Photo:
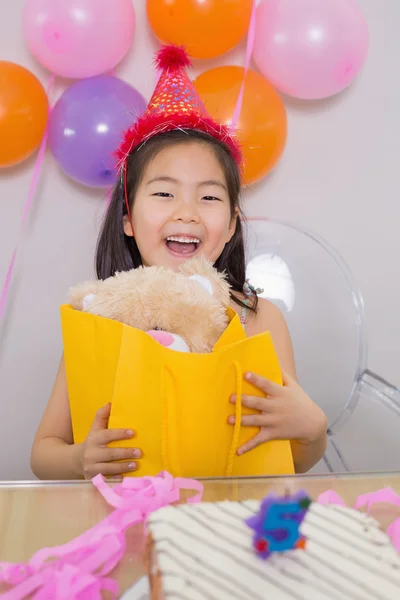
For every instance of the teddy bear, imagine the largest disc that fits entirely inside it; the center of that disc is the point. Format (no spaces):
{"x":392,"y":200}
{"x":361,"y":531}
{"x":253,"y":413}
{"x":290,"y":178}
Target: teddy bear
{"x":183,"y":309}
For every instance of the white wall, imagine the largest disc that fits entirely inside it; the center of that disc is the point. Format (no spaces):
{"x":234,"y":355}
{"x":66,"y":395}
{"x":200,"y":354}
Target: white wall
{"x":339,"y":177}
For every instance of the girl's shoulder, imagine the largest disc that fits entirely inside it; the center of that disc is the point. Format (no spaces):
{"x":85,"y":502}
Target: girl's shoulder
{"x":267,"y":315}
{"x":267,"y":318}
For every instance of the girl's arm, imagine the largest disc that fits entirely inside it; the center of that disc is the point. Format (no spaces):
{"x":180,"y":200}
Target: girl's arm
{"x":308,"y":451}
{"x":307,"y":454}
{"x":54,"y":455}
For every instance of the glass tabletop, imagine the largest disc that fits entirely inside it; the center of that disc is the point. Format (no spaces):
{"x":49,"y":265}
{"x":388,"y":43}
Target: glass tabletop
{"x":82,"y":493}
{"x":305,"y":479}
{"x":37,"y":514}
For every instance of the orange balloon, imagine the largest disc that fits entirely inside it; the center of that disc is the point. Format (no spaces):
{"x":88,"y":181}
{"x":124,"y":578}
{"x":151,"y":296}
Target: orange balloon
{"x":262,"y":125}
{"x":24,"y":111}
{"x":207,"y":28}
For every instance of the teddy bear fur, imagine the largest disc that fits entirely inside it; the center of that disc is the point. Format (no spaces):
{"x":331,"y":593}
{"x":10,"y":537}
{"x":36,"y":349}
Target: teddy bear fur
{"x":176,"y":301}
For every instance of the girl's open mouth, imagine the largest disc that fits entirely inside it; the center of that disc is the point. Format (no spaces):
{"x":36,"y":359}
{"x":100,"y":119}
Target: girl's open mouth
{"x":182,"y":245}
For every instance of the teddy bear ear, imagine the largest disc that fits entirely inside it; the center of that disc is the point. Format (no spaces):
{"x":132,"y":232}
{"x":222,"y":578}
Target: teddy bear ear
{"x":204,"y":282}
{"x":87,"y":301}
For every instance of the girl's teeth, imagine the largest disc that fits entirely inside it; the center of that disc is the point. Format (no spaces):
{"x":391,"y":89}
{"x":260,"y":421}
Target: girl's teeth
{"x":183,"y":240}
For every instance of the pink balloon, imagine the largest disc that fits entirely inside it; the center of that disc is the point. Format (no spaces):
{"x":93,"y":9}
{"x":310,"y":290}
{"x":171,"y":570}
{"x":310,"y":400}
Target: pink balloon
{"x":79,"y":38}
{"x":310,"y":49}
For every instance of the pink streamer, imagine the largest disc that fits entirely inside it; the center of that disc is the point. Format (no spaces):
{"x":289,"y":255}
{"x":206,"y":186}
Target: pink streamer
{"x":77,"y":570}
{"x":112,"y":73}
{"x":383,"y":496}
{"x":189,"y":484}
{"x":7,"y":282}
{"x":28,"y":204}
{"x":394,"y":533}
{"x":330,"y":497}
{"x":249,"y":51}
{"x":386,"y":495}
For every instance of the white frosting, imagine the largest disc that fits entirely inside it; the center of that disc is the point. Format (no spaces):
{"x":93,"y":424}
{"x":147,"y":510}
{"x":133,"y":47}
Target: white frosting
{"x":205,"y":552}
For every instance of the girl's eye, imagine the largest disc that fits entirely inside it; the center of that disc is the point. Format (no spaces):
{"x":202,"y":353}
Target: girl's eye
{"x":163,"y":195}
{"x":210,"y":198}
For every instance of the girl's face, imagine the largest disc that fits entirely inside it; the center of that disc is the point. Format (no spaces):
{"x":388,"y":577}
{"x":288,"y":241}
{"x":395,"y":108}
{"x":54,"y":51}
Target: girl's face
{"x":181,"y":208}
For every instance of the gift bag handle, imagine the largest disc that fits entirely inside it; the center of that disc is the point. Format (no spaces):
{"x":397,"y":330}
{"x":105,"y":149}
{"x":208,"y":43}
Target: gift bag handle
{"x":238,"y":420}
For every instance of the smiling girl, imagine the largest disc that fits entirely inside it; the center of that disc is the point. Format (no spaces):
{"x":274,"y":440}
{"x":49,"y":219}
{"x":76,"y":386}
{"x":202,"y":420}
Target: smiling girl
{"x":178,"y":196}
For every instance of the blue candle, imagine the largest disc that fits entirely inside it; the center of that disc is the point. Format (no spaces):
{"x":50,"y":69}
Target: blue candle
{"x":277,"y":525}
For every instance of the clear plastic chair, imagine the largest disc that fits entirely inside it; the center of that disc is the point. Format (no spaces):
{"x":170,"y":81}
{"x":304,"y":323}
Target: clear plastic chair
{"x":312,"y":285}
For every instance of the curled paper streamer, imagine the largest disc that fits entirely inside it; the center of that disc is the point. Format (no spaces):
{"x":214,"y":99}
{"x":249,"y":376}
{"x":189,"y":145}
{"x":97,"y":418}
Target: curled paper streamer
{"x":78,"y":570}
{"x":383,"y":496}
{"x":394,"y":533}
{"x":330,"y":497}
{"x":27,"y":208}
{"x":386,"y":495}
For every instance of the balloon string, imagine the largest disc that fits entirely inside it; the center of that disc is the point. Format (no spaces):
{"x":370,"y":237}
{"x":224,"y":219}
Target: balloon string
{"x":28,"y":204}
{"x":112,"y":73}
{"x":249,"y":51}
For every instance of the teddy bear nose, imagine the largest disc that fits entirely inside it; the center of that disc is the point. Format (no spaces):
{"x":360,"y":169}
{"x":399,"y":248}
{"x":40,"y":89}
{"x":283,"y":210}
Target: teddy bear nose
{"x":162,"y":337}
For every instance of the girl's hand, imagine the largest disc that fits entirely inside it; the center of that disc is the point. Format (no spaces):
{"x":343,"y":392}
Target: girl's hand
{"x":96,"y":457}
{"x":287,"y":413}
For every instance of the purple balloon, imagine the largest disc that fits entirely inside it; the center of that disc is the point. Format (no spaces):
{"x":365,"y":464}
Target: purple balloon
{"x":86,"y":127}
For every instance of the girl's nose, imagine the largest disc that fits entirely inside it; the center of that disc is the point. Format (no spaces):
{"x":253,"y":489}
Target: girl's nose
{"x":188,"y":219}
{"x":187,"y":212}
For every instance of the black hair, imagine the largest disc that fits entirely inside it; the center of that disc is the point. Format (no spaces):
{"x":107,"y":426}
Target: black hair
{"x":118,"y":252}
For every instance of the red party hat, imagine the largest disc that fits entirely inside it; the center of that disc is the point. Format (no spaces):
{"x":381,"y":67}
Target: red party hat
{"x":175,"y":104}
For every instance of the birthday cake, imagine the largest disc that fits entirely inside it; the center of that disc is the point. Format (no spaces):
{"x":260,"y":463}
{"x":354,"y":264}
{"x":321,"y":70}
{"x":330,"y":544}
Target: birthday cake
{"x":213,"y":551}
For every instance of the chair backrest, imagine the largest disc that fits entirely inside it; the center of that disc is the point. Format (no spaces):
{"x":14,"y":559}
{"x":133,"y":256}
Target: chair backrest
{"x":376,"y":389}
{"x":311,"y":284}
{"x":370,"y":440}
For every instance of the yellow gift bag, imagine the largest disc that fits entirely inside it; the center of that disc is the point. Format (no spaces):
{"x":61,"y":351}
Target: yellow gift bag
{"x":177,"y":403}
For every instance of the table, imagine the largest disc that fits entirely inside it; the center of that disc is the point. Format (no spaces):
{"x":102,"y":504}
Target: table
{"x":37,"y":514}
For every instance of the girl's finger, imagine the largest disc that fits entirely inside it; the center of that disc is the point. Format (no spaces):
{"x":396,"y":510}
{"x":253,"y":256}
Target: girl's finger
{"x":115,"y":468}
{"x":111,"y":454}
{"x":113,"y":435}
{"x":254,"y":402}
{"x":265,"y":385}
{"x":251,"y":420}
{"x":258,"y":439}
